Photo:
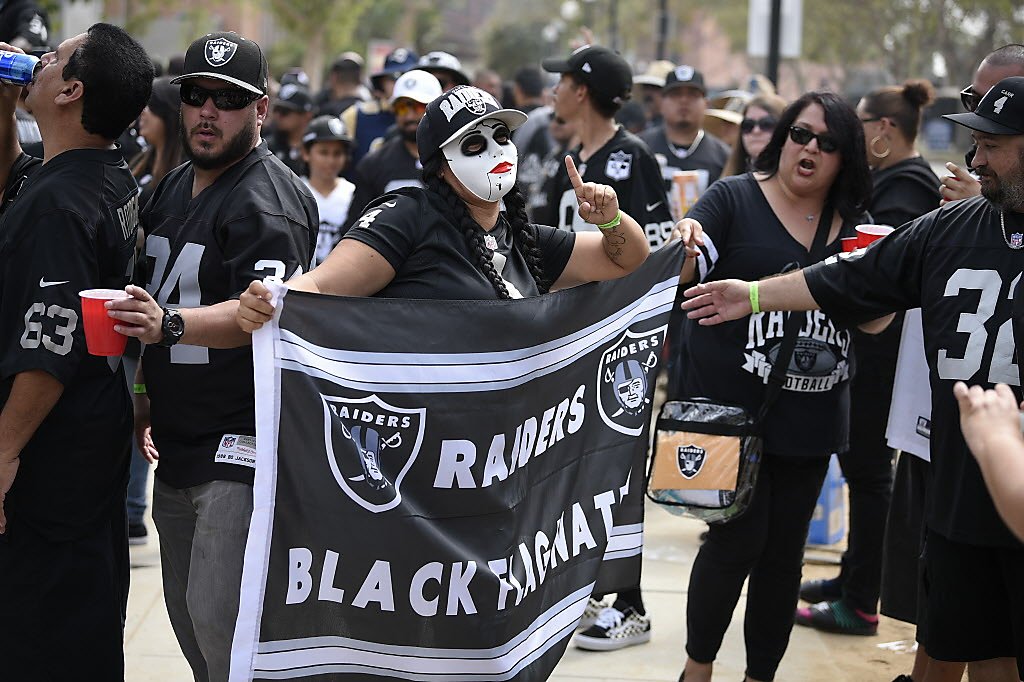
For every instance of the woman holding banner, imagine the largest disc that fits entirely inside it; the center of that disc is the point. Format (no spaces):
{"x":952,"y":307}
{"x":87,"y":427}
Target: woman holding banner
{"x":451,"y":240}
{"x":810,"y":186}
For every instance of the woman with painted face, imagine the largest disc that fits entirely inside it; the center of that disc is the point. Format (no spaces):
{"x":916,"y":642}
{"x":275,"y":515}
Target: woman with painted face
{"x":451,"y":239}
{"x":810,"y":186}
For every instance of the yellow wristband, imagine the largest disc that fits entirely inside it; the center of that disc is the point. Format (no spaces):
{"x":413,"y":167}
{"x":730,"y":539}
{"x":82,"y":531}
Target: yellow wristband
{"x":139,"y":389}
{"x":613,"y":223}
{"x":754,"y":306}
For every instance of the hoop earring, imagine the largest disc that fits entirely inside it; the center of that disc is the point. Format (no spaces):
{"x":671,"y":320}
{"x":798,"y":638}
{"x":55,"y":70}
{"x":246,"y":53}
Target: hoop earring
{"x":878,"y":155}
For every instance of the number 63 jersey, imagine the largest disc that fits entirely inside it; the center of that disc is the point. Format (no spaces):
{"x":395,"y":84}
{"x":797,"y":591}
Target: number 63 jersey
{"x":67,"y":225}
{"x":256,"y":220}
{"x":957,"y":265}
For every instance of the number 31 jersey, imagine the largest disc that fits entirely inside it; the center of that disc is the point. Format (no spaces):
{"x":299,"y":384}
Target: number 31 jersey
{"x":256,"y":220}
{"x":956,"y":264}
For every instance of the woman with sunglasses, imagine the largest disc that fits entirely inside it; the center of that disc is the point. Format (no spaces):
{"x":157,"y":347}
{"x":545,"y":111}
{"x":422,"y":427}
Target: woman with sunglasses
{"x":451,"y":240}
{"x":811,"y":176}
{"x":904,"y":188}
{"x":760,"y":116}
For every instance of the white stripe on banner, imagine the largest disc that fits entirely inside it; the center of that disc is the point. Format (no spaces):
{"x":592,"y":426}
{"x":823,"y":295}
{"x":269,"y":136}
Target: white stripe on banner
{"x":707,"y":258}
{"x":294,"y":658}
{"x":625,"y":541}
{"x":465,"y":372}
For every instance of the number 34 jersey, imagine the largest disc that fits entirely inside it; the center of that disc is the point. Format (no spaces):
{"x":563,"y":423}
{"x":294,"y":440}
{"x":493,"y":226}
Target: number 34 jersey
{"x":67,"y":225}
{"x":956,"y":264}
{"x":256,"y":220}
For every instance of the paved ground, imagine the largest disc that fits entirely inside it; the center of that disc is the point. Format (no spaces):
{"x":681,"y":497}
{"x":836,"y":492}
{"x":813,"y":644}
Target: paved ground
{"x":671,"y":543}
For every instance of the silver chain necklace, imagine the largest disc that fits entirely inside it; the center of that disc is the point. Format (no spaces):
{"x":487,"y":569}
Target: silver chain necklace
{"x":1014,"y":241}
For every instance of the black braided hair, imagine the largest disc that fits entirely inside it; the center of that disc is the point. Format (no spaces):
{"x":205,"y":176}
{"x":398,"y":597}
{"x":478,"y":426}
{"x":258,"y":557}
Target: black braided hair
{"x":525,"y":236}
{"x":459,"y":216}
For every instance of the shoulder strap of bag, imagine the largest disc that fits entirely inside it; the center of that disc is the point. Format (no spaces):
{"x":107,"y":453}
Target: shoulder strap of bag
{"x":777,"y":377}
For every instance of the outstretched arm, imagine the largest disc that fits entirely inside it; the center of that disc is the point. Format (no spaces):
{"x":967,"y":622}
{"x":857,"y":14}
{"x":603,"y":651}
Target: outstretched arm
{"x":730,"y":299}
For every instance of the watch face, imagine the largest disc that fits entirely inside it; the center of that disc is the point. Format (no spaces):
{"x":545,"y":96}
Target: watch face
{"x":175,"y":325}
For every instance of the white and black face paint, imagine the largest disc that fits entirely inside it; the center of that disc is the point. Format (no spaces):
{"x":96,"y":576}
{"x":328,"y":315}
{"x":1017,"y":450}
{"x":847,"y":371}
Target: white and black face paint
{"x":484,"y":159}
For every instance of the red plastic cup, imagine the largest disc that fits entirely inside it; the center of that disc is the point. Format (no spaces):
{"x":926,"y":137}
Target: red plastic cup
{"x":870,"y":233}
{"x":100,"y":337}
{"x":850,"y":244}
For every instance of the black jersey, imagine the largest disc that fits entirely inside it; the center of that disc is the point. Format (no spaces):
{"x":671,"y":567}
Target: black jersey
{"x":67,"y":225}
{"x":707,"y":156}
{"x":290,"y":156}
{"x":731,"y":362}
{"x":903,"y":191}
{"x":432,"y":259}
{"x":383,"y":170}
{"x":627,"y":165}
{"x":955,"y":265}
{"x":256,"y":220}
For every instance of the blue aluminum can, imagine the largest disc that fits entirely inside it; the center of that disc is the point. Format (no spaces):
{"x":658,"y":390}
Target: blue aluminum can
{"x":17,"y":68}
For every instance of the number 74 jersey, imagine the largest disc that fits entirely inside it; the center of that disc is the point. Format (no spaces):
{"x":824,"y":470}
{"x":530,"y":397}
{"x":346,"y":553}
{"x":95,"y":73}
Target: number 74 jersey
{"x":957,"y":265}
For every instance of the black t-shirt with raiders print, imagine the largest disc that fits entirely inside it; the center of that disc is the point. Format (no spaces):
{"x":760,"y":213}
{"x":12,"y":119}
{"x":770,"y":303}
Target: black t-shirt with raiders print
{"x":432,"y":259}
{"x":628,"y":166}
{"x":954,"y":263}
{"x":731,"y":361}
{"x":256,"y":220}
{"x":67,"y":226}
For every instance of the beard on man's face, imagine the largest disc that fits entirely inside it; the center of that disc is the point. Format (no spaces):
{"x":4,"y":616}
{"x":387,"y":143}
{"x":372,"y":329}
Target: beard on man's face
{"x":235,"y":149}
{"x":1007,"y":192}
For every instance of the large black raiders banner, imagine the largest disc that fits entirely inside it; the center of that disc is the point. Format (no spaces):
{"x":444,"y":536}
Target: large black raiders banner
{"x":438,"y":483}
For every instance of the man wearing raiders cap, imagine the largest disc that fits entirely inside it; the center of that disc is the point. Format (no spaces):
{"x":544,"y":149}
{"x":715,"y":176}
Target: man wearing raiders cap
{"x":291,"y":113}
{"x":962,"y":265}
{"x":233,"y":213}
{"x":595,"y":83}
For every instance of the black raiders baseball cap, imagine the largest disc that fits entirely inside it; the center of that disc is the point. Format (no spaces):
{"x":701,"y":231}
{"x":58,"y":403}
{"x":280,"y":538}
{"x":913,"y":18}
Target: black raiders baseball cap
{"x":603,"y":71}
{"x":1000,"y":112}
{"x":294,"y":98}
{"x":454,"y":111}
{"x":229,"y":57}
{"x":684,"y":76}
{"x":326,"y":129}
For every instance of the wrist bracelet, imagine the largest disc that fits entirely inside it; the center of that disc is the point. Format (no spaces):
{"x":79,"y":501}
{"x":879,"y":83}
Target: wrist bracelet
{"x":754,"y":304}
{"x":139,"y":389}
{"x":613,"y":223}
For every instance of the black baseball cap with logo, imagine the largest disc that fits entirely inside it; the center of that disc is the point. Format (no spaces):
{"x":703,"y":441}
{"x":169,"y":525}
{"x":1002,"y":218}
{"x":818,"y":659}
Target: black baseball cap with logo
{"x":685,"y":77}
{"x":294,"y":98}
{"x":326,"y":129}
{"x":604,"y":72}
{"x":1000,"y":111}
{"x":453,"y":112}
{"x":229,"y":57}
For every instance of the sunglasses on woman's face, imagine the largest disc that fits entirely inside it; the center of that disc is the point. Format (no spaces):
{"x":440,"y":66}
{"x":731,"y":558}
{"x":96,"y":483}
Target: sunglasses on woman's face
{"x":969,"y":98}
{"x":766,"y":123}
{"x":225,"y":99}
{"x":803,"y":136}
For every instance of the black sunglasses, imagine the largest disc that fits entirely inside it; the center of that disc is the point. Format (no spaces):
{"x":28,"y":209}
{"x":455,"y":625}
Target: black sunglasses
{"x":803,"y":136}
{"x":766,"y":123}
{"x":225,"y":99}
{"x":969,"y":98}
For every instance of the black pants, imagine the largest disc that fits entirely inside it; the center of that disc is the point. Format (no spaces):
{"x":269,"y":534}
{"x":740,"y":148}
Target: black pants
{"x":766,"y":544}
{"x":62,"y":603}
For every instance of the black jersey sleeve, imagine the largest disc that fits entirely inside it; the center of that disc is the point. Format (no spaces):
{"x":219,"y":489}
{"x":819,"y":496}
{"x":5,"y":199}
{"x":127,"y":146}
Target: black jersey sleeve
{"x":393,"y":225}
{"x":556,"y":248}
{"x":884,"y":278}
{"x":40,"y":310}
{"x":646,"y":201}
{"x":262,"y":245}
{"x":715,"y":211}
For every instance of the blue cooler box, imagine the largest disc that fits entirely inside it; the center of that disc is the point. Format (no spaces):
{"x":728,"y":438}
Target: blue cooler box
{"x":828,"y":525}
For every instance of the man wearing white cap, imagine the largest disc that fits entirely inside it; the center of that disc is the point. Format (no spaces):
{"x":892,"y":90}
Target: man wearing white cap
{"x":396,"y":162}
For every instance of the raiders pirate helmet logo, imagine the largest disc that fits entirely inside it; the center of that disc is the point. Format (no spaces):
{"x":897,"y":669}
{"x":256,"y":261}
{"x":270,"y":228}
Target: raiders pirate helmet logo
{"x":371,"y":445}
{"x":625,"y":379}
{"x":219,"y":51}
{"x":690,"y":459}
{"x":619,"y":165}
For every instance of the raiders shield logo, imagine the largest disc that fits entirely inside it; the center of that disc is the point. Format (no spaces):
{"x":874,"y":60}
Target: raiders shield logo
{"x":219,"y":51}
{"x":625,"y":379}
{"x":371,"y":446}
{"x":690,"y":459}
{"x":619,"y":165}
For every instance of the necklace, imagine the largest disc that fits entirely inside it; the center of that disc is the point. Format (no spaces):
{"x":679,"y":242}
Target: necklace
{"x":809,"y":217}
{"x":1014,"y":241}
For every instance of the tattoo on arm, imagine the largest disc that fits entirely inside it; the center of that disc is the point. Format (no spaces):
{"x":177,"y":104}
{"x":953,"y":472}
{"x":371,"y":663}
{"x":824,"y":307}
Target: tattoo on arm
{"x":614,"y":240}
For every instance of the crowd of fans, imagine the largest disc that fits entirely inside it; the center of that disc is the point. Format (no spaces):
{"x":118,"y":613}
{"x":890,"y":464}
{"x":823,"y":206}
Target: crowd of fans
{"x":240,"y":176}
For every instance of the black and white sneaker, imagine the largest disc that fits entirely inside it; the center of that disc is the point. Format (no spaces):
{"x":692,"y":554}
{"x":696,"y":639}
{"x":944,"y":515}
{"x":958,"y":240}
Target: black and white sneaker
{"x":615,"y":629}
{"x":590,"y":614}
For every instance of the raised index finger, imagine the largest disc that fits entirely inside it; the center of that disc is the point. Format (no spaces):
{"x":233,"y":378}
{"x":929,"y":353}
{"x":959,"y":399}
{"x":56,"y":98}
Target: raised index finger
{"x":574,"y":175}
